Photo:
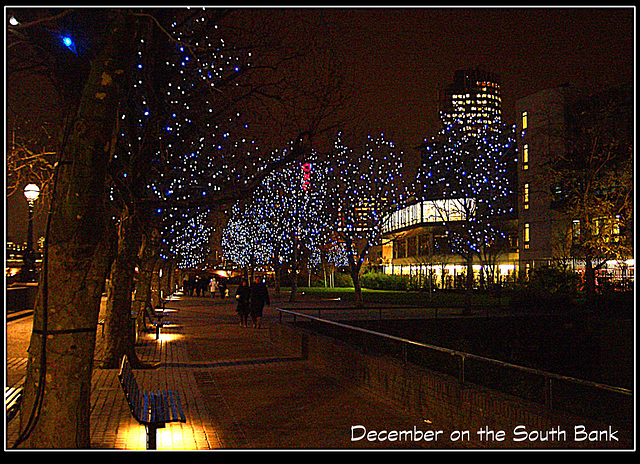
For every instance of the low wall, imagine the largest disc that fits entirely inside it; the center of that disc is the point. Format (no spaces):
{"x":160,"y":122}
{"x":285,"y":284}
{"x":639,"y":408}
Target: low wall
{"x":21,"y":297}
{"x":446,"y":403}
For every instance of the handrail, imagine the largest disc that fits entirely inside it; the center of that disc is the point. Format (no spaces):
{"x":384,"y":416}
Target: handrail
{"x":463,"y":355}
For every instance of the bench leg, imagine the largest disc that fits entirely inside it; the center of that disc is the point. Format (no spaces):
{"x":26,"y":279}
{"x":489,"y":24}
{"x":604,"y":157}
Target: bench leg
{"x":151,"y":436}
{"x":158,"y":332}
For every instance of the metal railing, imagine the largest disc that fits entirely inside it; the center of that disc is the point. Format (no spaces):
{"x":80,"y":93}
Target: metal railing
{"x":463,"y":357}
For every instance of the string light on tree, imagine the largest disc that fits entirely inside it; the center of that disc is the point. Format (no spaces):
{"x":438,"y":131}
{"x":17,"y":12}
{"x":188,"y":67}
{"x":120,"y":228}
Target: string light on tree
{"x":285,"y":219}
{"x":205,"y":147}
{"x":472,"y":161}
{"x":366,"y":184}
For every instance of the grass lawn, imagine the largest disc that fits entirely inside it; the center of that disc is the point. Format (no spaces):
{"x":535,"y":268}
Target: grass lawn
{"x":440,"y":299}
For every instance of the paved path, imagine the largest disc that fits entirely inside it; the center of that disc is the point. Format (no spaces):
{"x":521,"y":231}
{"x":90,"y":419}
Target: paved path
{"x":238,"y":392}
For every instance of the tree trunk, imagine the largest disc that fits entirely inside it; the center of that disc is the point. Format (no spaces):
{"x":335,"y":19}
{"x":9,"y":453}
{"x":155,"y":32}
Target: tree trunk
{"x":355,"y":276}
{"x":277,"y":268}
{"x":355,"y":263}
{"x":469,"y":276}
{"x":589,"y":282}
{"x":119,"y":333}
{"x":156,"y":289}
{"x":56,"y":405}
{"x":148,"y":258}
{"x":167,"y":285}
{"x":294,"y":271}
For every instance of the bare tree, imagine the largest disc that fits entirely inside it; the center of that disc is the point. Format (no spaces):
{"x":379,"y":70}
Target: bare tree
{"x":55,"y":409}
{"x":593,"y":179}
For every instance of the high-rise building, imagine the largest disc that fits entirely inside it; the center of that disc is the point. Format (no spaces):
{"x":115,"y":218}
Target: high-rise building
{"x":541,"y":128}
{"x":461,"y":219}
{"x":549,"y":230}
{"x":473,"y":99}
{"x":473,"y":95}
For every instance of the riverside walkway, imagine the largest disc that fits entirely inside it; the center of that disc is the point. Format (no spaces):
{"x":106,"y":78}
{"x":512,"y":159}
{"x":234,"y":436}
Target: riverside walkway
{"x":237,"y":390}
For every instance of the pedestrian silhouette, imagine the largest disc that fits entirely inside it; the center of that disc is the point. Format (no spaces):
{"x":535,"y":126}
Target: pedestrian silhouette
{"x":259,"y":297}
{"x":188,"y":286}
{"x":243,"y":295}
{"x":222,"y":285}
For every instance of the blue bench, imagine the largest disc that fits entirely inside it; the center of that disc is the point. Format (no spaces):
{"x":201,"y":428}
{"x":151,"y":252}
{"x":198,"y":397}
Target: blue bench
{"x":153,"y":409}
{"x":156,"y":318}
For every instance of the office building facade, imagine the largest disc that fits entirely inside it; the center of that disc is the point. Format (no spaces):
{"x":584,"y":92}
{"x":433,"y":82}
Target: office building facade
{"x":539,"y":232}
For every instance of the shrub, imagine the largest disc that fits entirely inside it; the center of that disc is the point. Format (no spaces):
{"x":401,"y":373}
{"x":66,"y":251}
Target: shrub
{"x":380,"y":281}
{"x":342,"y":280}
{"x":548,"y":288}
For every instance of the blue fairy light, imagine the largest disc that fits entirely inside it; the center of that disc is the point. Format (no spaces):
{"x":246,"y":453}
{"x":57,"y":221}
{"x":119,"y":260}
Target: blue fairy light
{"x":69,"y":43}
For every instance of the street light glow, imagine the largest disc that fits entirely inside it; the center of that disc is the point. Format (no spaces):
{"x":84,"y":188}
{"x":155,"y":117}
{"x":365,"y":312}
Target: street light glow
{"x":31,"y":192}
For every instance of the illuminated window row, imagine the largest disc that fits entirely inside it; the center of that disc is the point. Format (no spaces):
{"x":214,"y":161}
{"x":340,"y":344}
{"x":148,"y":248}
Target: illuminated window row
{"x":480,"y":98}
{"x":429,"y":211}
{"x":525,"y":157}
{"x":487,"y":84}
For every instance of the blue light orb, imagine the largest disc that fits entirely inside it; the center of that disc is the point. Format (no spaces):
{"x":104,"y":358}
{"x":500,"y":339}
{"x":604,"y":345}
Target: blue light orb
{"x":69,"y":43}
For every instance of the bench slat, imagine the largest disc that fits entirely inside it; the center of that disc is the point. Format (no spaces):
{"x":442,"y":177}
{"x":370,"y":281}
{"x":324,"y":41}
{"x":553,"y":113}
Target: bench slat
{"x":154,"y":317}
{"x":176,"y":407}
{"x":162,"y":407}
{"x":12,"y":401}
{"x":149,"y":407}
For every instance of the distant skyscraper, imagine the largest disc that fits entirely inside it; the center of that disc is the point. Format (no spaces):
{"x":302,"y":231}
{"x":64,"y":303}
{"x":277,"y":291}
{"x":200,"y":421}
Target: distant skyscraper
{"x":474,"y":94}
{"x":472,"y":104}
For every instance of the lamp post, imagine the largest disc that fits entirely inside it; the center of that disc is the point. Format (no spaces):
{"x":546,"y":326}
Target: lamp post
{"x":31,"y":193}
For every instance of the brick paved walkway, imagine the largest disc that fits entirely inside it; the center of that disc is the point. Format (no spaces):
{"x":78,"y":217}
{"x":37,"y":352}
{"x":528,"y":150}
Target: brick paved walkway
{"x":237,"y":391}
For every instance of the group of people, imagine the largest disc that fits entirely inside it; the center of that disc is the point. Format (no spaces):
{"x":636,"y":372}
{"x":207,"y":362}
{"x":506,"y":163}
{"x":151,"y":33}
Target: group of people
{"x":251,"y":301}
{"x":218,"y":286}
{"x":198,"y":286}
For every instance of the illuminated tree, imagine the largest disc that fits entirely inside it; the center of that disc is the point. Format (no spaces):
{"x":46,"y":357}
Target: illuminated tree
{"x":365,"y":184}
{"x":284,"y":222}
{"x":332,"y":254}
{"x":246,"y":239}
{"x":471,"y":165}
{"x":302,"y":194}
{"x":231,"y":98}
{"x":204,"y":148}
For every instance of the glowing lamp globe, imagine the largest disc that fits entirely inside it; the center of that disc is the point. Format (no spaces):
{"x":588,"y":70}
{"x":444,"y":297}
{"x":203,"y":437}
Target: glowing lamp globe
{"x":31,"y":192}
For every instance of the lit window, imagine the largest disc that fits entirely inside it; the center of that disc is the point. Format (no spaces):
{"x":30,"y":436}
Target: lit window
{"x":525,"y":196}
{"x":525,"y":120}
{"x":607,"y":228}
{"x":525,"y":157}
{"x":575,"y":228}
{"x":526,"y":235}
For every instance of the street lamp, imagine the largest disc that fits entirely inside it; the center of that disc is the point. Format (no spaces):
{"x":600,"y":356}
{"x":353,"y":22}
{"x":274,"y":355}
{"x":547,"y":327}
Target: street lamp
{"x":31,"y":193}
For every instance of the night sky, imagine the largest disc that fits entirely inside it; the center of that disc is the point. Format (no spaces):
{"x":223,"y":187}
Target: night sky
{"x":404,"y":56}
{"x":400,"y":58}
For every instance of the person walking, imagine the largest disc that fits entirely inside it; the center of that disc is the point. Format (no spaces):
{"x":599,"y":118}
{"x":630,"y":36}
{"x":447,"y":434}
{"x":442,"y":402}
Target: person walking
{"x":213,"y":287}
{"x":222,"y":286}
{"x":243,"y":295}
{"x":197,"y":285}
{"x":259,"y":297}
{"x":188,"y":286}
